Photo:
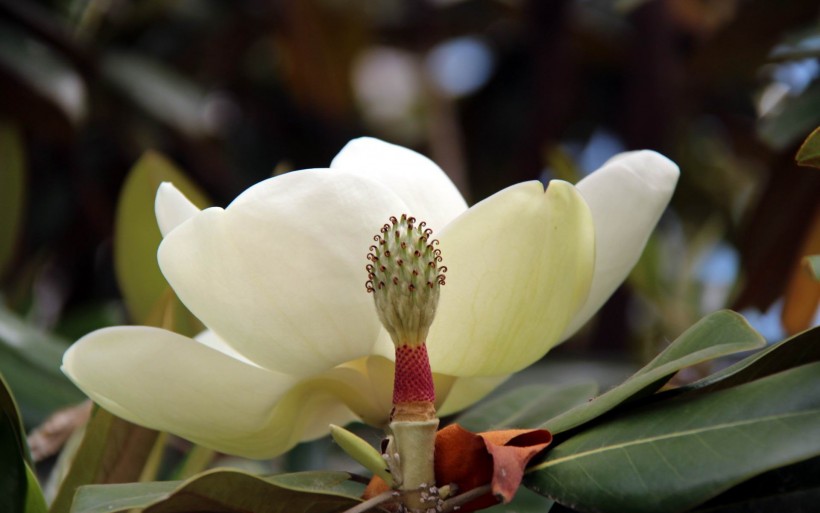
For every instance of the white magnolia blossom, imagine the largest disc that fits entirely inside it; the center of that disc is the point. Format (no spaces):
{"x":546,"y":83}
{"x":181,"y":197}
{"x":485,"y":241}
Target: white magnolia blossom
{"x":294,"y":342}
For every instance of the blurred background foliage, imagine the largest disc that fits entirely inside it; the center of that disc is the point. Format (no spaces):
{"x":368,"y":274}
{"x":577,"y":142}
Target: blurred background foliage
{"x":100,"y":100}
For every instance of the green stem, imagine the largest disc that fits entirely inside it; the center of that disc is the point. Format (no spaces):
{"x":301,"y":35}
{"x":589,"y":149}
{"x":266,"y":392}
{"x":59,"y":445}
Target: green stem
{"x":415,"y":444}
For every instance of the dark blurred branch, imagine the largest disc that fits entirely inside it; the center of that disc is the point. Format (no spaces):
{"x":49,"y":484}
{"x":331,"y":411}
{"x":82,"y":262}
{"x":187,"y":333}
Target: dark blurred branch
{"x":40,"y":23}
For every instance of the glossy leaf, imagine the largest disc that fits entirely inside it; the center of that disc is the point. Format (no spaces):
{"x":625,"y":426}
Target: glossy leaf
{"x":30,"y":360}
{"x":112,"y":451}
{"x":527,"y":406}
{"x":226,"y":491}
{"x":717,"y":335}
{"x":147,"y":295}
{"x":795,"y":351}
{"x":12,"y":190}
{"x":809,"y":152}
{"x":672,"y":455}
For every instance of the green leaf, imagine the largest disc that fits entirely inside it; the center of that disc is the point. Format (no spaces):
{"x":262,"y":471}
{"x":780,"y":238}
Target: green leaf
{"x":226,"y":491}
{"x":14,"y":454}
{"x":137,"y":237}
{"x":361,"y":451}
{"x":713,"y":336}
{"x":112,"y":451}
{"x":35,"y":502}
{"x":672,"y":455}
{"x":30,"y":359}
{"x":12,"y":190}
{"x":809,"y":152}
{"x":13,"y":482}
{"x":798,"y":350}
{"x":790,"y":124}
{"x":525,"y":407}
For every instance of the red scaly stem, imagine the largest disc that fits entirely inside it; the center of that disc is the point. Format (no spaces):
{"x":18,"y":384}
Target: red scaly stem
{"x":414,"y":380}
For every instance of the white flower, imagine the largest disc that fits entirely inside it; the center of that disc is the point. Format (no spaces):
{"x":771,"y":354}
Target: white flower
{"x":294,"y":342}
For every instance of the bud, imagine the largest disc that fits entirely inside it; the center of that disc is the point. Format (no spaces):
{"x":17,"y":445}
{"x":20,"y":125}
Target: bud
{"x":404,"y":276}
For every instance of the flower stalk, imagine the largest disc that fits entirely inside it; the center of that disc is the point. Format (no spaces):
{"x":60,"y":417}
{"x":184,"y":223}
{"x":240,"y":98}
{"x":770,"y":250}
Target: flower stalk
{"x":404,"y":277}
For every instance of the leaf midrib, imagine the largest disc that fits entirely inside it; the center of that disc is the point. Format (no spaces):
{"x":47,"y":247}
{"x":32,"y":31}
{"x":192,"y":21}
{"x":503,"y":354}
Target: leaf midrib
{"x":714,"y":427}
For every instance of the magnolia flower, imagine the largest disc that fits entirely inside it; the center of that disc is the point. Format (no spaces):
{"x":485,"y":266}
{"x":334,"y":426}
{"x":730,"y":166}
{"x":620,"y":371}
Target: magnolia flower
{"x":294,"y":342}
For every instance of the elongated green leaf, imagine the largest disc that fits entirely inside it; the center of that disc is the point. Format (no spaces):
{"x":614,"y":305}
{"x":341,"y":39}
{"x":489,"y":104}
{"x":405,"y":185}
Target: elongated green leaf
{"x":112,"y":451}
{"x":526,"y":407}
{"x":35,"y":502}
{"x":13,"y":481}
{"x":798,"y":350}
{"x":672,"y":455}
{"x":13,"y":454}
{"x":809,"y":152}
{"x":226,"y":491}
{"x":717,"y":335}
{"x":30,"y":360}
{"x":12,"y":190}
{"x":137,"y":238}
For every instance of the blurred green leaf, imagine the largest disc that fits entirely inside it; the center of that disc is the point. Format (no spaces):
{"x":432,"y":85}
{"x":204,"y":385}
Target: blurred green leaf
{"x":137,"y":237}
{"x":160,"y":91}
{"x":797,"y":117}
{"x":528,"y":406}
{"x":672,"y":455}
{"x":226,"y":491}
{"x":713,"y":336}
{"x":809,"y":152}
{"x":813,"y":262}
{"x":12,"y":190}
{"x":525,"y":501}
{"x":112,"y":451}
{"x":30,"y":359}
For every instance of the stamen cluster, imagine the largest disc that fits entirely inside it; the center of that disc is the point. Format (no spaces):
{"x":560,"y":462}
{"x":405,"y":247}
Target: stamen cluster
{"x":404,"y":276}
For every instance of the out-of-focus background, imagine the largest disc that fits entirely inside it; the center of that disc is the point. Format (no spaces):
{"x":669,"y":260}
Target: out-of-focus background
{"x":496,"y":92}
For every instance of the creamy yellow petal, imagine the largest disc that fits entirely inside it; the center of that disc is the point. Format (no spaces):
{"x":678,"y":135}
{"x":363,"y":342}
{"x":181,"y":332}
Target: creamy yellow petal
{"x":426,"y":190}
{"x":172,"y":208}
{"x":169,"y":382}
{"x":519,"y":267}
{"x":279,"y":274}
{"x":467,"y":391}
{"x":627,"y":197}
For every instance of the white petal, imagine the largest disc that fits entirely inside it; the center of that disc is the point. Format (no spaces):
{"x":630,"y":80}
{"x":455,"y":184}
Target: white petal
{"x":172,"y":208}
{"x":519,"y":267}
{"x":210,"y":339}
{"x":168,"y":382}
{"x":279,"y":275}
{"x":429,"y":194}
{"x":627,"y":197}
